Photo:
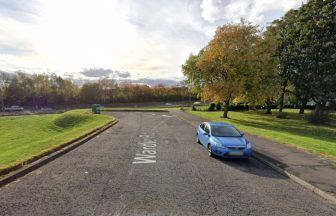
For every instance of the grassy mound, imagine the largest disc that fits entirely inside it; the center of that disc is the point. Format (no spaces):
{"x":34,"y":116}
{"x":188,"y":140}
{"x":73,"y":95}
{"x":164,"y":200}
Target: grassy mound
{"x":70,"y":120}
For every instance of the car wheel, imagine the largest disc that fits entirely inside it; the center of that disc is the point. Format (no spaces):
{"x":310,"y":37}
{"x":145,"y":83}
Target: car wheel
{"x":210,"y":151}
{"x":197,"y":139}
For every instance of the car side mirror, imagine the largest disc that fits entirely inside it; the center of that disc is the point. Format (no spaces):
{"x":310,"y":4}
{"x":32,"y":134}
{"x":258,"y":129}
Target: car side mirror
{"x":242,"y":133}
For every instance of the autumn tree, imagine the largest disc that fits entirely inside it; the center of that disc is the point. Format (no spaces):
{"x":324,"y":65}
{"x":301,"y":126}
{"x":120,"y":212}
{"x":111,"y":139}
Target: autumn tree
{"x":192,"y":73}
{"x":108,"y":89}
{"x":90,"y":93}
{"x":263,"y":82}
{"x":225,"y":63}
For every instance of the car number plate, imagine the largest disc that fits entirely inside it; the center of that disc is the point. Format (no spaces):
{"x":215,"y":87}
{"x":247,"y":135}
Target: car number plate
{"x":236,"y":153}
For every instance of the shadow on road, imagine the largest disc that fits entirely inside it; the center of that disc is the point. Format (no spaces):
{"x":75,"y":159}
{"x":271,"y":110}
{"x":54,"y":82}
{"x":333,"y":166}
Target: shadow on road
{"x":251,"y":166}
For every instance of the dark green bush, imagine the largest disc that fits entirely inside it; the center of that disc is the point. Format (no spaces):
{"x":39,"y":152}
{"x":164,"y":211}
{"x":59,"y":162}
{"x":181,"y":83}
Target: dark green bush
{"x":319,"y":118}
{"x":212,"y":107}
{"x":219,"y":107}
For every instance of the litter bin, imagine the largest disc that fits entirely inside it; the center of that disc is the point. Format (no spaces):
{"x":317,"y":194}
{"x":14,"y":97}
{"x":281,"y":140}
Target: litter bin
{"x":96,"y":108}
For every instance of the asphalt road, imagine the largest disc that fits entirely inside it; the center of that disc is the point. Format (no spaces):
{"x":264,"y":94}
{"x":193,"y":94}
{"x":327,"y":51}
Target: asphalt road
{"x":149,"y":164}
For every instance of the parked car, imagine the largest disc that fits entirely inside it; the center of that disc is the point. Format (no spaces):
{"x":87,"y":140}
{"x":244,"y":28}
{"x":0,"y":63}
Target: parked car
{"x":46,"y":109}
{"x":224,"y":140}
{"x":14,"y":108}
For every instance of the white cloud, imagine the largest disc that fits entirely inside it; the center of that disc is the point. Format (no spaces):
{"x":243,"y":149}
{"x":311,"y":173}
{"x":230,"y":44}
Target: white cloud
{"x":252,"y":10}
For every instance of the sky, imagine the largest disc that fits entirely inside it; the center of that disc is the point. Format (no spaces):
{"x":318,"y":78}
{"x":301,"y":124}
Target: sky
{"x":133,"y":39}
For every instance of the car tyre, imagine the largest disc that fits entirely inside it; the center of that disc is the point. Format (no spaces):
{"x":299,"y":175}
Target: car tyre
{"x":197,"y":139}
{"x":210,"y":151}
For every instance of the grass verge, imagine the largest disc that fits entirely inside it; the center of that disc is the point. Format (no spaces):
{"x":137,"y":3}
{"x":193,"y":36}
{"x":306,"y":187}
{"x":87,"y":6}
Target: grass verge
{"x":25,"y":137}
{"x":293,"y":130}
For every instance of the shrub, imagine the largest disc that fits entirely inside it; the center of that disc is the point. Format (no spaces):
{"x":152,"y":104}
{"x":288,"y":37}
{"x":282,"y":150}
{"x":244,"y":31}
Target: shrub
{"x":212,"y":107}
{"x":319,"y":118}
{"x":218,"y":106}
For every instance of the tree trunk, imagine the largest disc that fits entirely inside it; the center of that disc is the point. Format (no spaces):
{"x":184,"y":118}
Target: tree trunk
{"x":226,"y":108}
{"x":2,"y":100}
{"x":303,"y":106}
{"x":319,"y":109}
{"x":252,"y":107}
{"x":269,"y":106}
{"x":282,"y":96}
{"x":281,"y":102}
{"x":225,"y":114}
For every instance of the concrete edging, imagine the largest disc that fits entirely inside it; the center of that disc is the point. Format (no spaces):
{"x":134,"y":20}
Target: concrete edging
{"x":34,"y":163}
{"x":263,"y":159}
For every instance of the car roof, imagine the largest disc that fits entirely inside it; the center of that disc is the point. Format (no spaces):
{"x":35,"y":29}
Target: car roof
{"x":219,"y":124}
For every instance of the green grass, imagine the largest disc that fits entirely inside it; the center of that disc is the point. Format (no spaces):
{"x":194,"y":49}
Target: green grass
{"x":23,"y":137}
{"x":293,"y":130}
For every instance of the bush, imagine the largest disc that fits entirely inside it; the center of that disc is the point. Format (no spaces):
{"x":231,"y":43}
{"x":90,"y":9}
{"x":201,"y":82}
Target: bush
{"x":218,"y":106}
{"x":212,"y":107}
{"x":281,"y":115}
{"x":239,"y":107}
{"x":319,"y":118}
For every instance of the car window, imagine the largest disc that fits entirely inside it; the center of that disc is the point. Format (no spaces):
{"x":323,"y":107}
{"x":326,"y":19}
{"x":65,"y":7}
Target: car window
{"x":202,"y":126}
{"x":207,"y":129}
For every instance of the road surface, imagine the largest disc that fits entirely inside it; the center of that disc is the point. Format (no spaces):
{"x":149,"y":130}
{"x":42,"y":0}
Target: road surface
{"x":149,"y":164}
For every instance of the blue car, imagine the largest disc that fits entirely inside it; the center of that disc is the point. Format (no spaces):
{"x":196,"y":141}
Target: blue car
{"x":224,"y":140}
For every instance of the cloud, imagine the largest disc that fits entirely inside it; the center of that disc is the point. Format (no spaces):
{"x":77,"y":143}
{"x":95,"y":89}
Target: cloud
{"x":152,"y":82}
{"x":21,"y":10}
{"x":121,"y":74}
{"x":257,"y":11}
{"x":97,"y":72}
{"x":16,"y":49}
{"x":105,"y":73}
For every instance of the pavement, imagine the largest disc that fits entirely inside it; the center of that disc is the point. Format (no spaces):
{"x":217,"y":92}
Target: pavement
{"x":317,"y":171}
{"x":149,"y":164}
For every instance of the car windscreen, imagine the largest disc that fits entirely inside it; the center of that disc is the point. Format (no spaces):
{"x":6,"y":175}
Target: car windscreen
{"x":224,"y":131}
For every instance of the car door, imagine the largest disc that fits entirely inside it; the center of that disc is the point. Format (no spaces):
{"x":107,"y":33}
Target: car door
{"x":200,"y":132}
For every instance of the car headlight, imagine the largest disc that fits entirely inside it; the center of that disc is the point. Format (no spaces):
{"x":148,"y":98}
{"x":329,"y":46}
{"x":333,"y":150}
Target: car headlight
{"x":219,"y":144}
{"x":248,"y":145}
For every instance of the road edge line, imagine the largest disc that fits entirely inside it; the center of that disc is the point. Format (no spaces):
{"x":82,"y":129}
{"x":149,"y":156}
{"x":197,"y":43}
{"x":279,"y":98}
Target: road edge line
{"x":46,"y":157}
{"x":325,"y":195}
